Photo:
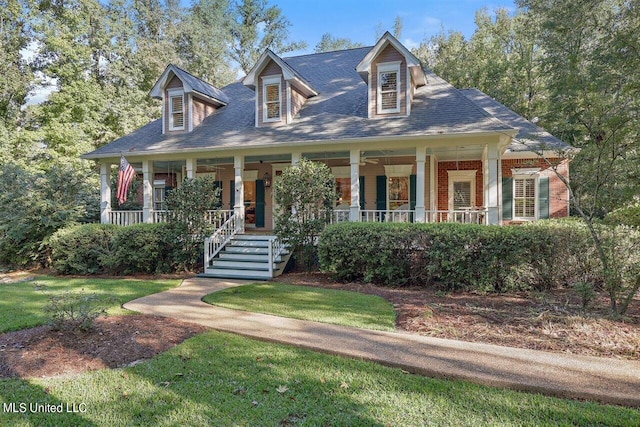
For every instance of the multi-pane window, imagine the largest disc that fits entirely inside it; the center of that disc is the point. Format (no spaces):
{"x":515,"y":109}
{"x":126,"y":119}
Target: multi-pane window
{"x":398,"y":187}
{"x":176,"y":112}
{"x":272,"y":100}
{"x":343,"y":189}
{"x":388,"y":88}
{"x":524,"y":197}
{"x":462,"y":195}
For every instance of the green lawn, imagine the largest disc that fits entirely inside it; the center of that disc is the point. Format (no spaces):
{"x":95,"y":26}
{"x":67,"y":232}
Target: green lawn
{"x":21,"y":305}
{"x":306,"y":303}
{"x":222,"y":379}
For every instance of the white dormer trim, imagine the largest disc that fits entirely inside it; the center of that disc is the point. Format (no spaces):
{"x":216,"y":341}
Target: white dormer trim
{"x":364,"y":67}
{"x":158,"y":89}
{"x":388,"y":67}
{"x":288,"y":73}
{"x":174,"y":93}
{"x":268,"y":81}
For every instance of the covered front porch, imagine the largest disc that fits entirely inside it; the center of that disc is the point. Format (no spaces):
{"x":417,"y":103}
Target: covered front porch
{"x":457,"y":183}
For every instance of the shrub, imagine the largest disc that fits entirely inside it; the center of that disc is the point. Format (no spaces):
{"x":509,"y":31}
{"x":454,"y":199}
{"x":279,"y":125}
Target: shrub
{"x":75,"y":310}
{"x":624,"y":216}
{"x":456,"y":256}
{"x":81,"y":249}
{"x":144,"y":248}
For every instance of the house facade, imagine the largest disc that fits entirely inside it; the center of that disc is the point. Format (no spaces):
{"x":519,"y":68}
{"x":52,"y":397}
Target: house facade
{"x":402,"y":143}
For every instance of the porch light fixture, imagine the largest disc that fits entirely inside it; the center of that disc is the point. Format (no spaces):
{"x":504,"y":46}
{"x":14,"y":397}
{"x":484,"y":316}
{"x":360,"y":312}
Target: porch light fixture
{"x":266,"y":178}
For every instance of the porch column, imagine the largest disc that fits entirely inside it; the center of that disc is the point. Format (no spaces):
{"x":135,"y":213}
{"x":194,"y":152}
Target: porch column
{"x":295,"y":157}
{"x":493,"y":182}
{"x":238,"y":165}
{"x":421,"y":158}
{"x":191,"y":168}
{"x":105,"y":192}
{"x":147,"y":191}
{"x":354,"y":208}
{"x":433,"y":195}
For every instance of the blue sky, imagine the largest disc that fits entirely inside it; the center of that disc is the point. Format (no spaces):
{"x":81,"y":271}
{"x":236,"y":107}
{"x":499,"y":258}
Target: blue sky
{"x":357,"y":20}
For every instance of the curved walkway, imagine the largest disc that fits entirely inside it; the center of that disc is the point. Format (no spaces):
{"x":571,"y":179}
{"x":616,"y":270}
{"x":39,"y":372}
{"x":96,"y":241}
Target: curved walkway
{"x":605,"y":380}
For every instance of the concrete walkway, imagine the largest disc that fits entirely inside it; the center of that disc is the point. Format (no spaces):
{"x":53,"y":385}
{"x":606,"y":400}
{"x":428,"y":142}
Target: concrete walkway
{"x":605,"y":380}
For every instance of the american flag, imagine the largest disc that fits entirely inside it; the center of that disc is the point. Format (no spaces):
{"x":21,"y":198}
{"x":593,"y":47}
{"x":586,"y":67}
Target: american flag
{"x":125,"y":175}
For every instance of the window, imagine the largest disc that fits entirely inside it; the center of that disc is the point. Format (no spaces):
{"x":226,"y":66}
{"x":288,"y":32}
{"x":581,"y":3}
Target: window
{"x":272,"y":109}
{"x":524,"y":198}
{"x":159,"y":195}
{"x":176,"y":110}
{"x":398,"y":191}
{"x":388,"y":88}
{"x":343,"y":189}
{"x":462,"y":189}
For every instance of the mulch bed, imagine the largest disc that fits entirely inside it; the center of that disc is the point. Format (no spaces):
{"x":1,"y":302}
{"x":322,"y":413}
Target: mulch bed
{"x":553,"y":321}
{"x":114,"y":342}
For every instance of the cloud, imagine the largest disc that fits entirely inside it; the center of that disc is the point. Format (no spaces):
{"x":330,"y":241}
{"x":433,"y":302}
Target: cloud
{"x":411,"y":44}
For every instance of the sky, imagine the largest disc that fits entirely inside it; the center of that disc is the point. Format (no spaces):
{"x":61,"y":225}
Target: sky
{"x":357,"y":19}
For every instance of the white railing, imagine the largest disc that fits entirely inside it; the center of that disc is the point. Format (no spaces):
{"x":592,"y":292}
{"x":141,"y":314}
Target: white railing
{"x":160,"y":216}
{"x":464,"y":216}
{"x":387,"y":215}
{"x":276,"y":246}
{"x":341,"y":215}
{"x":218,"y":217}
{"x":214,"y":244}
{"x":125,"y":217}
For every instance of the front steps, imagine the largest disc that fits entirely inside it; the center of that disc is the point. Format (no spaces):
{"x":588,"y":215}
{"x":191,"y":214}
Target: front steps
{"x":246,"y":257}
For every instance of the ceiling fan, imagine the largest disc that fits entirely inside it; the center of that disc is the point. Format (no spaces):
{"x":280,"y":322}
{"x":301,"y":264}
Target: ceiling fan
{"x":364,"y":161}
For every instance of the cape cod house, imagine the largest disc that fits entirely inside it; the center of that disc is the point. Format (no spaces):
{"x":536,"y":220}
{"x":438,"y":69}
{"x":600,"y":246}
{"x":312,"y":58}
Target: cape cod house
{"x":402,"y":143}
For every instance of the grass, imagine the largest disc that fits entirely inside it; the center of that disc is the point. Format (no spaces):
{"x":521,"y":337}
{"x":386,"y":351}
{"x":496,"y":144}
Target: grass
{"x":316,"y":304}
{"x":21,"y":305}
{"x":222,"y":379}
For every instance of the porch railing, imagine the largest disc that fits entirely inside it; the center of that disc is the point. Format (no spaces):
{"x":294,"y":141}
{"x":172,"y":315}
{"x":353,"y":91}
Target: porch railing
{"x":276,"y":246}
{"x":125,"y":217}
{"x":465,"y":216}
{"x":214,"y":244}
{"x":214,"y":217}
{"x":387,"y":215}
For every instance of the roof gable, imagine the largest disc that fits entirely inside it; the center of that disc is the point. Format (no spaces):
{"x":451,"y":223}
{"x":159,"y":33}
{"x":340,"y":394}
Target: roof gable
{"x":364,"y":67}
{"x":191,"y":84}
{"x":288,"y":73}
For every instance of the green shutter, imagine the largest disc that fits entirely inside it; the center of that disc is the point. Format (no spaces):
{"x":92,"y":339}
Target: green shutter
{"x":232,"y":194}
{"x":259,"y":203}
{"x":362,"y":192}
{"x":412,"y":192}
{"x":543,"y":197}
{"x":507,"y":198}
{"x":381,"y":192}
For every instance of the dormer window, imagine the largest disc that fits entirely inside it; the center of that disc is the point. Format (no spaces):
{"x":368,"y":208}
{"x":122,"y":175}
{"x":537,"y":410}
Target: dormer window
{"x":176,"y":110}
{"x":389,"y":88}
{"x":272,"y":90}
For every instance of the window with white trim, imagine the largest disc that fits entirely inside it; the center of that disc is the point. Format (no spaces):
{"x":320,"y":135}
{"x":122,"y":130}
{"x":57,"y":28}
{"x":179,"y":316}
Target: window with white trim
{"x":176,"y":110}
{"x":525,"y":193}
{"x":398,"y":186}
{"x":388,"y":91}
{"x":462,"y":189}
{"x":272,"y":102}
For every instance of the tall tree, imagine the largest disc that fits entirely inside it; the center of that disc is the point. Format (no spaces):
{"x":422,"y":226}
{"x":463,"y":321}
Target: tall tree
{"x":255,"y":27}
{"x":329,"y":43}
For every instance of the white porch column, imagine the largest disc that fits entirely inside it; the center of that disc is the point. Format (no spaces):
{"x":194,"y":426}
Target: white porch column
{"x":191,"y":168}
{"x":147,"y":191}
{"x":354,"y":208}
{"x":492,"y":191}
{"x":433,"y":195}
{"x":295,"y":157}
{"x":238,"y":165}
{"x":105,"y":192}
{"x":421,"y":158}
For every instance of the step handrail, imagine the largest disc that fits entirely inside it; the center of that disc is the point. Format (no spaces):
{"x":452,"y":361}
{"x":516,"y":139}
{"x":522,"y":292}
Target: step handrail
{"x":217,"y":241}
{"x":276,"y":246}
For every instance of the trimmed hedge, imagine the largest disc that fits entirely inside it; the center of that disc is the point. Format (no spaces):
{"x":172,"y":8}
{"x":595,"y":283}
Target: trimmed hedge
{"x":109,"y":249}
{"x":458,"y":256}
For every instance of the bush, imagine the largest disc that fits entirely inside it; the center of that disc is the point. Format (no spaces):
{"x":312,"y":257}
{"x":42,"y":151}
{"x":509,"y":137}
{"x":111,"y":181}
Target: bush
{"x":624,"y":216}
{"x":81,"y":249}
{"x":457,"y":256}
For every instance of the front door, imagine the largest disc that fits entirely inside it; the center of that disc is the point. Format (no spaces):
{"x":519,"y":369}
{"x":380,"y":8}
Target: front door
{"x":249,"y":203}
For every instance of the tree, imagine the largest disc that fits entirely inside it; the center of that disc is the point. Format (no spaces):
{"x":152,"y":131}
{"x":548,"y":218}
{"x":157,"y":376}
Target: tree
{"x":304,"y":195}
{"x":255,"y":27}
{"x":328,"y":43}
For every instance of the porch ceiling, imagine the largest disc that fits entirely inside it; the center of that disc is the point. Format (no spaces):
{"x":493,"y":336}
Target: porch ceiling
{"x":461,"y":153}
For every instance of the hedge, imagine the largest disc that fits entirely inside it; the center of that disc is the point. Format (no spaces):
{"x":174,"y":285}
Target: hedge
{"x":110,"y":249}
{"x":542,"y":255}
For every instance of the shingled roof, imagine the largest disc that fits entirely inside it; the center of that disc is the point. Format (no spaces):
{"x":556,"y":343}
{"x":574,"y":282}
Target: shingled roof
{"x":339,"y":112}
{"x":529,"y":138}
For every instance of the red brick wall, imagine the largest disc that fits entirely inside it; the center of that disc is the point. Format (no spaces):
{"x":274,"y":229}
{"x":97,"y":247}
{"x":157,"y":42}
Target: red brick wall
{"x":443,"y":180}
{"x":558,"y":195}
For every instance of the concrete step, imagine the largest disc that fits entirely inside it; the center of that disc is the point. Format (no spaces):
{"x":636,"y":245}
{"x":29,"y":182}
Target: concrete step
{"x":225,"y":273}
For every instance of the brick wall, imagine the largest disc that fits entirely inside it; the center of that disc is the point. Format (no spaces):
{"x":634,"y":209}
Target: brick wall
{"x":443,"y":180}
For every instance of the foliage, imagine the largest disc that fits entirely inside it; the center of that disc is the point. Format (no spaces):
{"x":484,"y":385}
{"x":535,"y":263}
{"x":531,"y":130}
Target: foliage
{"x":454,"y":256}
{"x":304,"y":196}
{"x":81,"y":249}
{"x":188,"y":205}
{"x":75,"y":310}
{"x":329,"y":43}
{"x":624,"y":216}
{"x":301,"y":302}
{"x":36,"y":204}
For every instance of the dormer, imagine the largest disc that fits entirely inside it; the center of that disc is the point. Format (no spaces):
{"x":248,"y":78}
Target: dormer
{"x":392,"y":74}
{"x":186,"y":100}
{"x":280,"y":90}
